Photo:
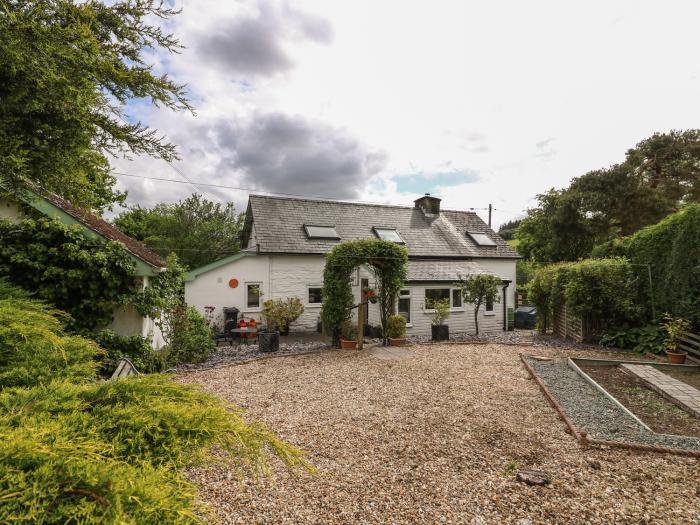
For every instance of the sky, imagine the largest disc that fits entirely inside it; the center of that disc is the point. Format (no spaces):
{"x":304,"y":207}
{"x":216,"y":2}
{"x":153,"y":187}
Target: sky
{"x":477,"y":103}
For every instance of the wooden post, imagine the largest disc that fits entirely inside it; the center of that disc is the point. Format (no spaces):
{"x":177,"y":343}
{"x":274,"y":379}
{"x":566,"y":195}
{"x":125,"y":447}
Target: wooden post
{"x":361,"y":325}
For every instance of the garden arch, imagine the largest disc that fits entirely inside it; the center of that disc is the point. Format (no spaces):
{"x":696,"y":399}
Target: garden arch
{"x":388,"y":262}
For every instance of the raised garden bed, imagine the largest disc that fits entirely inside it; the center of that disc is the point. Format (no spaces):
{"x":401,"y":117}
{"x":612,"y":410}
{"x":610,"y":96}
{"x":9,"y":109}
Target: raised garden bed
{"x":658,"y":413}
{"x":593,"y":412}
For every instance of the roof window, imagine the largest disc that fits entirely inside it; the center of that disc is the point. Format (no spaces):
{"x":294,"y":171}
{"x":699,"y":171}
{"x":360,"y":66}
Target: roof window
{"x":321,"y":232}
{"x":388,"y":234}
{"x":481,"y":239}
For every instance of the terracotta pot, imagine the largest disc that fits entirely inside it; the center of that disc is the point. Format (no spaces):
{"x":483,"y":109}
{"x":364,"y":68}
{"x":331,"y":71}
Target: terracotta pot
{"x":401,"y":341}
{"x":676,"y":358}
{"x":348,"y":345}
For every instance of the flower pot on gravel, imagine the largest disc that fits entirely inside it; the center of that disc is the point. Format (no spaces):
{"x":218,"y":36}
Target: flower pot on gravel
{"x":269,"y":341}
{"x":399,"y":341}
{"x":346,"y":344}
{"x":676,"y":358}
{"x":441,"y":332}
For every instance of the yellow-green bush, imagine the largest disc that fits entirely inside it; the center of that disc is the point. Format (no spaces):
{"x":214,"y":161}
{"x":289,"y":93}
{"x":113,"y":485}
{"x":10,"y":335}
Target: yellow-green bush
{"x":34,"y":349}
{"x":73,"y":450}
{"x":110,"y":452}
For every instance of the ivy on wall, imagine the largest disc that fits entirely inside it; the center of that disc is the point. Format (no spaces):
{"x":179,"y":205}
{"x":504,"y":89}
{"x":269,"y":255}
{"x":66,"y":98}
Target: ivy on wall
{"x":387,"y":260}
{"x":85,"y":277}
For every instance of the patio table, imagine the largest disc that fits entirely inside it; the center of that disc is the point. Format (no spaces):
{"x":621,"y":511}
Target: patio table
{"x":240,"y":331}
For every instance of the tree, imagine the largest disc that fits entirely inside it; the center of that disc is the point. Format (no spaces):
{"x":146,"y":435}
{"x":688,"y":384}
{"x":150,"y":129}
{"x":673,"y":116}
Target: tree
{"x":477,"y":290}
{"x":199,"y":231}
{"x":658,"y":176}
{"x":557,"y":230}
{"x":67,"y":71}
{"x":507,"y":230}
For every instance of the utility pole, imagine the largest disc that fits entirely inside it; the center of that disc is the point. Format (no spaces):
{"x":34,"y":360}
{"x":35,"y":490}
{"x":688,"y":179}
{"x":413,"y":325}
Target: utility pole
{"x":490,"y":209}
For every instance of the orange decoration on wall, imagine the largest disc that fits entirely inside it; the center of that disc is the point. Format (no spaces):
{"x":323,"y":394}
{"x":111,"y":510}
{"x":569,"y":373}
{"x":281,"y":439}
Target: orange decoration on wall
{"x":233,"y":283}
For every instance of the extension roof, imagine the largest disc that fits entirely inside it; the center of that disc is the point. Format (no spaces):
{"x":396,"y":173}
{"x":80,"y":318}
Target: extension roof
{"x":51,"y":205}
{"x":276,"y":225}
{"x":441,"y":270}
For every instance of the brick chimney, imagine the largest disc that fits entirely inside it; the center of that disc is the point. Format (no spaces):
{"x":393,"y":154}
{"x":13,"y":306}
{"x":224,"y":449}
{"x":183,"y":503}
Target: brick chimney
{"x":429,"y":205}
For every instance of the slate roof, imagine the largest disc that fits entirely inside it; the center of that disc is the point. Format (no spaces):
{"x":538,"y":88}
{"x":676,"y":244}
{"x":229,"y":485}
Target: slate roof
{"x":105,"y":229}
{"x":441,"y":270}
{"x":279,"y":227}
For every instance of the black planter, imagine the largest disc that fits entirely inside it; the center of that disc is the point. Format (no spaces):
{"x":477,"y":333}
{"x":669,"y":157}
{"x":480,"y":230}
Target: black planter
{"x":269,"y":341}
{"x":441,"y":332}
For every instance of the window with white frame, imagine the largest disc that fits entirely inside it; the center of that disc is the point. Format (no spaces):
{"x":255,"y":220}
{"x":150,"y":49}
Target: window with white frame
{"x":253,"y":292}
{"x":452,"y":295}
{"x":314,"y":296}
{"x":456,"y":298}
{"x":404,"y":306}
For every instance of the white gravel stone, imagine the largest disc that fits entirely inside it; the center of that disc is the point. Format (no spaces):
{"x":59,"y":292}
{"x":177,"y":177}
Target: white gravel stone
{"x":433,"y":438}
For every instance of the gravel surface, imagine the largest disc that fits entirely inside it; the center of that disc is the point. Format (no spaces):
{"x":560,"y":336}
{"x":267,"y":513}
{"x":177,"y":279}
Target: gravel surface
{"x":437,"y":437}
{"x":591,"y":411}
{"x":227,"y":355}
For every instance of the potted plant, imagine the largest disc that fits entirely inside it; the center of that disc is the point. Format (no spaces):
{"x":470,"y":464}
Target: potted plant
{"x":441,"y":311}
{"x":396,"y":330}
{"x":348,"y":335}
{"x":269,"y":337}
{"x":675,"y":327}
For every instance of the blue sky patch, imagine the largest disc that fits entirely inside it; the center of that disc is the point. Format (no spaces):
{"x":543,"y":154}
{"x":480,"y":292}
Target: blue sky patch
{"x":427,"y":182}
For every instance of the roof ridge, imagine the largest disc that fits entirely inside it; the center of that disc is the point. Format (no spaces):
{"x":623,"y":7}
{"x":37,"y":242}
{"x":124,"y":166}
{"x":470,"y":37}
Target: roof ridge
{"x":338,"y":201}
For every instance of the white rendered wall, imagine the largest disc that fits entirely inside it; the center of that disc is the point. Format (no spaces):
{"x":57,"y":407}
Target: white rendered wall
{"x":504,"y":268}
{"x":9,"y":210}
{"x":212,"y":288}
{"x":283,"y":276}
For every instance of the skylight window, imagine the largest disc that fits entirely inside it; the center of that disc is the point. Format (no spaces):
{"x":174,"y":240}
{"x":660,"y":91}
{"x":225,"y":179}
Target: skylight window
{"x":388,"y":234}
{"x":321,"y":232}
{"x":481,"y":239}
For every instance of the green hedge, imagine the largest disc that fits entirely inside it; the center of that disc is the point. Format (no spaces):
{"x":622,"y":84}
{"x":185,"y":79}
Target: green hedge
{"x":595,"y":289}
{"x":672,"y":248}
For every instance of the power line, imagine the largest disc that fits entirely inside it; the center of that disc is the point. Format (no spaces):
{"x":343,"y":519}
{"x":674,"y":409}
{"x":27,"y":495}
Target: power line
{"x":253,"y":190}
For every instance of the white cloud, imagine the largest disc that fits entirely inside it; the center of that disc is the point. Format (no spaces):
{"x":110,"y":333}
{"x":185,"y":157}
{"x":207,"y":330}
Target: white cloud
{"x":459,"y":85}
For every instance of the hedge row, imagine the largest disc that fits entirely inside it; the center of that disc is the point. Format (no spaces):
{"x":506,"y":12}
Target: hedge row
{"x":672,"y":248}
{"x":602,"y":289}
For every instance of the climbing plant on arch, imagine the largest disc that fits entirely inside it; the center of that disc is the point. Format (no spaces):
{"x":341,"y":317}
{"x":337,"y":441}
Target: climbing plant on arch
{"x":388,"y":262}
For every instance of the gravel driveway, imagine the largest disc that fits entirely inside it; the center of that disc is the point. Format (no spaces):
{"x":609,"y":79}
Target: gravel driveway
{"x":434,"y":436}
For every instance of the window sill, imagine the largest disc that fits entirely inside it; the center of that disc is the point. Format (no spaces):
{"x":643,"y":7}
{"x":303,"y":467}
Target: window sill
{"x":489,"y":314}
{"x":314,"y":305}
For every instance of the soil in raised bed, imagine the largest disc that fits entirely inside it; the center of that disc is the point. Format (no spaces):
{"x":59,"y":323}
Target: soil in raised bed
{"x":689,"y":377}
{"x":652,"y":408}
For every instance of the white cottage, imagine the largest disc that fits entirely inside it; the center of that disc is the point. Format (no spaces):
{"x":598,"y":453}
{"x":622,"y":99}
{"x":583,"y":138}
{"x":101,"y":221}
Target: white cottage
{"x":285,"y":240}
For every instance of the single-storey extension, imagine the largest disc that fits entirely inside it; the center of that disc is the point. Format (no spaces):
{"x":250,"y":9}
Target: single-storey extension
{"x":285,"y":240}
{"x":125,"y":319}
